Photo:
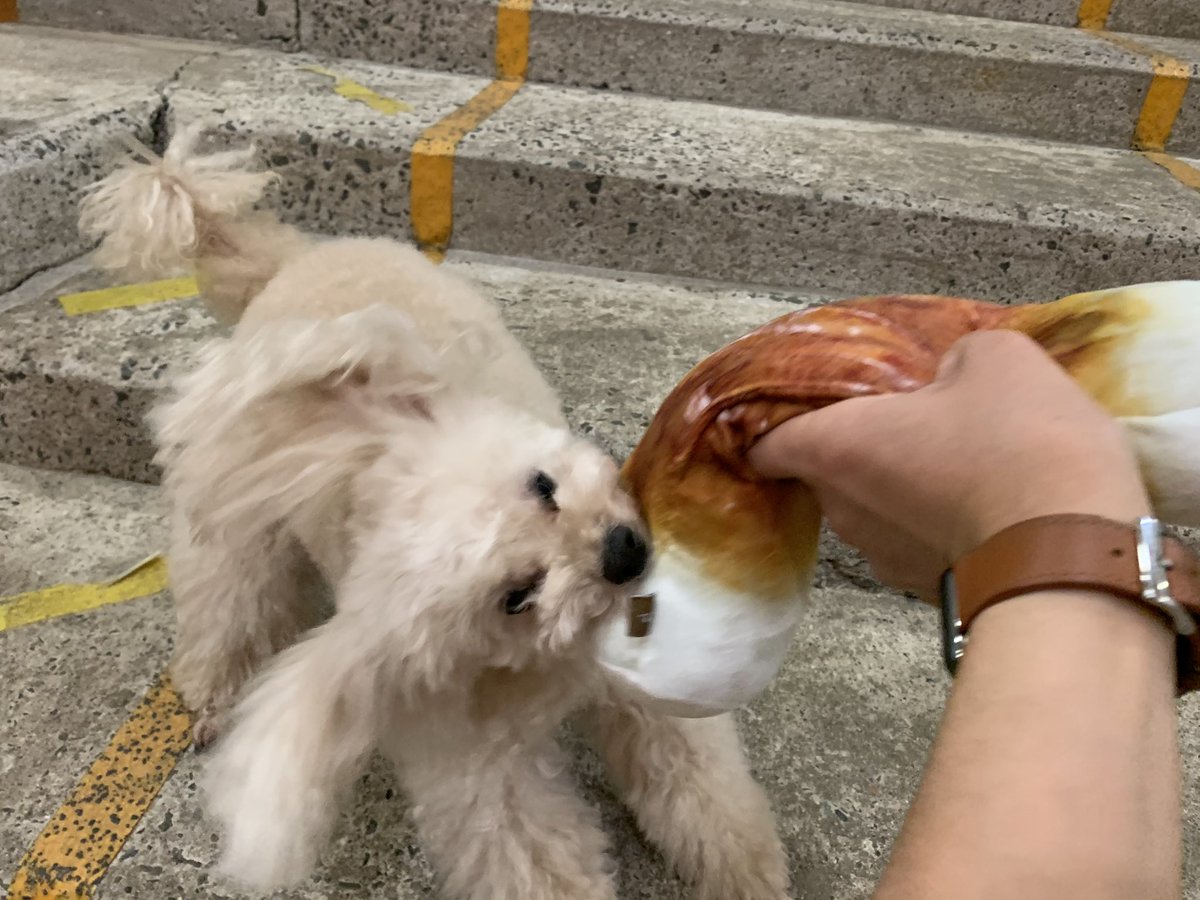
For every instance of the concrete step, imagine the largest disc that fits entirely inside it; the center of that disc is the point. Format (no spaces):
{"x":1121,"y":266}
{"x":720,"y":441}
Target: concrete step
{"x":685,"y":188}
{"x":838,"y":741}
{"x":67,"y":682}
{"x":58,"y":130}
{"x":839,"y":783}
{"x":457,"y":34}
{"x":820,"y":57}
{"x":75,"y":390}
{"x":1175,"y":18}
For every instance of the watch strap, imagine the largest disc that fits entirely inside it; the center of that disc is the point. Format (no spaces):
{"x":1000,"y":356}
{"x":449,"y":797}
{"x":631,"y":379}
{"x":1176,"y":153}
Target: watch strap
{"x":1080,"y":552}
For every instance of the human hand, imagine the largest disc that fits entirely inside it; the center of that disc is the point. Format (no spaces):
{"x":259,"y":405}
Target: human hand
{"x":917,"y":480}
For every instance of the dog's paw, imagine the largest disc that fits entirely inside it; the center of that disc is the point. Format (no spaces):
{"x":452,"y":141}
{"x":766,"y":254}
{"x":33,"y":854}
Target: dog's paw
{"x":207,"y":727}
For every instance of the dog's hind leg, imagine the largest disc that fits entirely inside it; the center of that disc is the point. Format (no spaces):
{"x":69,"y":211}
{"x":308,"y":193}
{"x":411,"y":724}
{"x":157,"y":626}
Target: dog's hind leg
{"x":501,"y":822}
{"x":239,"y":599}
{"x":690,"y":786}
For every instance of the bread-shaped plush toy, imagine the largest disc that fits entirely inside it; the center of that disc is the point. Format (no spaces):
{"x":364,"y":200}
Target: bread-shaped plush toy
{"x":735,"y":552}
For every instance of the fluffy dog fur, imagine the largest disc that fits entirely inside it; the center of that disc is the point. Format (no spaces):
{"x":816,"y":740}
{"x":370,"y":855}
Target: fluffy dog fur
{"x":370,"y":425}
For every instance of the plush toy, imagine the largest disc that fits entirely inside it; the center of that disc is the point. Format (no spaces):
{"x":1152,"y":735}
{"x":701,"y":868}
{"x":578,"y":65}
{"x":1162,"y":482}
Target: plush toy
{"x":735,"y":553}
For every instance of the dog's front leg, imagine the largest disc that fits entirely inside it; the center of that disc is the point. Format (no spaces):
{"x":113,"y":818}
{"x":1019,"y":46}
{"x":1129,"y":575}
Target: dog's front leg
{"x":502,"y":823}
{"x":690,"y":786}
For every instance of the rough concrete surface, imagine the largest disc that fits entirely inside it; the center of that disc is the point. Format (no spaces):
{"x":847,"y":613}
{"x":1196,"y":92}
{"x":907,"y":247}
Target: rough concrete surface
{"x":75,"y":390}
{"x":268,"y":23}
{"x":66,"y":684}
{"x":686,"y":188}
{"x":1177,"y":18}
{"x":448,"y":35}
{"x":1047,"y":12}
{"x":343,"y":166}
{"x":58,"y":527}
{"x":838,"y":205}
{"x":59,"y":131}
{"x":825,"y":58}
{"x":838,"y":742}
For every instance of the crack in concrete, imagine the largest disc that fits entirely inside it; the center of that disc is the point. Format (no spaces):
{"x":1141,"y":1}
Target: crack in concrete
{"x":159,"y":125}
{"x":42,"y":281}
{"x":299,"y":30}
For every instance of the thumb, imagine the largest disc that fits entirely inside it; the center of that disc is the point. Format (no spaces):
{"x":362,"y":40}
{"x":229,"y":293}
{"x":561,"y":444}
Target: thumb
{"x":782,"y":451}
{"x":809,"y":445}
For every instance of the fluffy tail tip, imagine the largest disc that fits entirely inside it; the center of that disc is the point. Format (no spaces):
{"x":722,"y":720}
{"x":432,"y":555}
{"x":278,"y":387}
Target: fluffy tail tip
{"x":154,"y":213}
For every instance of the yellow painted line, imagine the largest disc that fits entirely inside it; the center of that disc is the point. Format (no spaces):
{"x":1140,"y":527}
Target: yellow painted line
{"x":86,"y":833}
{"x":1163,"y":102}
{"x":1093,"y":14}
{"x":128,"y":295}
{"x":67,"y":599}
{"x":431,"y":198}
{"x":512,"y":39}
{"x":360,"y":93}
{"x":1164,"y":98}
{"x":1184,"y":173}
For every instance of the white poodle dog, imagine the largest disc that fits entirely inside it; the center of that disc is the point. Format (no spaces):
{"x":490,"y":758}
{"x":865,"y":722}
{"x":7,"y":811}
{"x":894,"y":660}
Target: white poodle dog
{"x":371,"y":427}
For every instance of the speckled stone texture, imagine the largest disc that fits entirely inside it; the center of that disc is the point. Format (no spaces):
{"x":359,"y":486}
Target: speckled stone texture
{"x":1177,"y":18}
{"x":268,"y":23}
{"x":343,"y":166}
{"x":826,"y":58}
{"x":835,"y":205}
{"x":74,"y":392}
{"x":57,"y":527}
{"x":66,"y":684}
{"x":448,"y":35}
{"x":106,"y":370}
{"x":58,"y":131}
{"x":1047,"y":12}
{"x":686,"y":188}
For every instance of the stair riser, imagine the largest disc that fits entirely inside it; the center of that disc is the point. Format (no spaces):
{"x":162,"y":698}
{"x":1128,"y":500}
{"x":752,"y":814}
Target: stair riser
{"x":840,"y":245}
{"x":889,"y":77}
{"x":963,"y":87}
{"x":40,"y":181}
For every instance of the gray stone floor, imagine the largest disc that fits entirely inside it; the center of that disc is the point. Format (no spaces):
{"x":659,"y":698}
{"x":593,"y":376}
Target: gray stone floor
{"x":838,"y":741}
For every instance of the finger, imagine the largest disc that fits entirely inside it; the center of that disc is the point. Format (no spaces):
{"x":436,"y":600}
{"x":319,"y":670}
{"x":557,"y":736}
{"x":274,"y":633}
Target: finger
{"x":810,"y":446}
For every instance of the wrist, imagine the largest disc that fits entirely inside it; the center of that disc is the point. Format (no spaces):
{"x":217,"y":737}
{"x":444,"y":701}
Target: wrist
{"x":1154,"y":575}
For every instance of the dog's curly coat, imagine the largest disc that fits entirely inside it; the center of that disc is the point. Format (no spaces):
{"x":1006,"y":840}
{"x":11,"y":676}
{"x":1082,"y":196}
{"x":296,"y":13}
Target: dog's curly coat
{"x":371,"y":425}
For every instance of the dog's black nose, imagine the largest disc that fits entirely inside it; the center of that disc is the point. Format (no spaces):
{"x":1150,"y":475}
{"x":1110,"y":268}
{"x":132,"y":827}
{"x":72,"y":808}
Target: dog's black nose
{"x":625,"y":554}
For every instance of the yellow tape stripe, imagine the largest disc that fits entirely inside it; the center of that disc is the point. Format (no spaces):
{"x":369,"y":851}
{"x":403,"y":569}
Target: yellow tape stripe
{"x":128,"y":295}
{"x":1161,"y":107}
{"x":1164,"y":98}
{"x":86,"y":833}
{"x":1184,"y":173}
{"x":360,"y":93}
{"x":1093,"y":14}
{"x":68,"y":599}
{"x":512,"y":39}
{"x":431,"y":198}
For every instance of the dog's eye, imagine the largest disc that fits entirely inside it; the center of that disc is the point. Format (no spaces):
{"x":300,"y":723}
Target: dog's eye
{"x":543,"y":487}
{"x":520,"y":600}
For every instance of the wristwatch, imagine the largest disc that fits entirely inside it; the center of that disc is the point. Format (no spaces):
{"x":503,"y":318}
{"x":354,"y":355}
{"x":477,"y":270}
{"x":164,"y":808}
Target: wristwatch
{"x":1077,"y":552}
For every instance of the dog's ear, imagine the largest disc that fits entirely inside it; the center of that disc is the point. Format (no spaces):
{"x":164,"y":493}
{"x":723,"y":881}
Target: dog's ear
{"x":297,"y":741}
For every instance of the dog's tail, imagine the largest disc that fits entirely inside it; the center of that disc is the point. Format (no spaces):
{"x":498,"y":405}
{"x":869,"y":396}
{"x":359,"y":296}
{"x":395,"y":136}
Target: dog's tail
{"x":161,"y":215}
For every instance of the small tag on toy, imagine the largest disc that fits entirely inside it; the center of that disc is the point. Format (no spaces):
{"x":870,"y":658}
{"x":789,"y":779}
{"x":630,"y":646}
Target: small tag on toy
{"x":641,"y":615}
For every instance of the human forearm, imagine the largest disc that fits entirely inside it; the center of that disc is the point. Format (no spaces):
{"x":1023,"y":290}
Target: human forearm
{"x":1054,"y":774}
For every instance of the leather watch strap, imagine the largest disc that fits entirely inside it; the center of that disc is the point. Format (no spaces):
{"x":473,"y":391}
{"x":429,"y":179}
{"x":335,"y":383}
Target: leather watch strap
{"x":1076,"y":552}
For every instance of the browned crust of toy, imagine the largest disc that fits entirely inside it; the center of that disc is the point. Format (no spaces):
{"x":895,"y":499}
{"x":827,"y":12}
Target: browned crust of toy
{"x":690,"y":472}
